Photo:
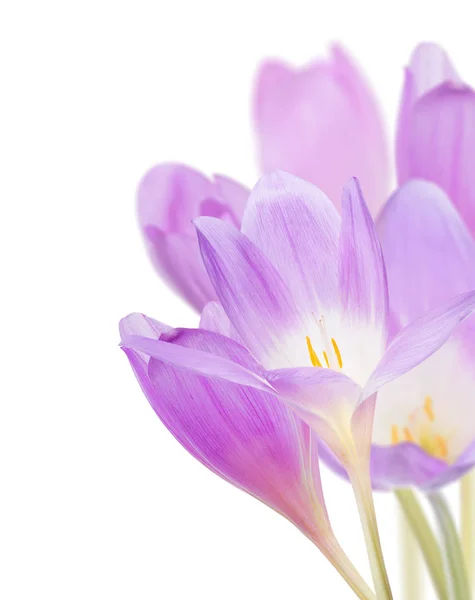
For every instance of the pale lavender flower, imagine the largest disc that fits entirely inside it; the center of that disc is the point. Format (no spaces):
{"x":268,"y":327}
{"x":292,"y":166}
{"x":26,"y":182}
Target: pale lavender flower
{"x":304,"y":295}
{"x":322,"y":123}
{"x":169,"y":197}
{"x":436,"y":132}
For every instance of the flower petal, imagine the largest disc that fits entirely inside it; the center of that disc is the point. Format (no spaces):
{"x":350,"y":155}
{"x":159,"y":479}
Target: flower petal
{"x":140,"y":324}
{"x":242,"y":369}
{"x":436,"y":260}
{"x":249,"y":288}
{"x":323,"y":398}
{"x":404,"y":465}
{"x":322,"y":123}
{"x":297,"y":228}
{"x":440,"y":142}
{"x":419,"y":340}
{"x":213,"y":318}
{"x":240,"y":434}
{"x":244,"y":436}
{"x":430,"y":66}
{"x":363,"y":285}
{"x":169,"y":197}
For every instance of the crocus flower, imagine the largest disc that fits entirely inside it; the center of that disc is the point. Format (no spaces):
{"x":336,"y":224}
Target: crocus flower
{"x":436,"y":133}
{"x":322,"y":123}
{"x":424,"y":430}
{"x":238,"y":432}
{"x":306,"y":294}
{"x":170,"y":196}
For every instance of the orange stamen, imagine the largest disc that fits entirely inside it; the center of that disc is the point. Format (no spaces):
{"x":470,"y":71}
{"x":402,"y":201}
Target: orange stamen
{"x":337,"y":352}
{"x":313,"y":354}
{"x":326,"y":358}
{"x":428,"y":408}
{"x":442,"y":446}
{"x":408,"y":435}
{"x":394,"y":434}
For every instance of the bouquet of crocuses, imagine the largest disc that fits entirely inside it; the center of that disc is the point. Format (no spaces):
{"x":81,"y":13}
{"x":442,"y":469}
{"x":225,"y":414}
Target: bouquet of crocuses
{"x":335,"y":318}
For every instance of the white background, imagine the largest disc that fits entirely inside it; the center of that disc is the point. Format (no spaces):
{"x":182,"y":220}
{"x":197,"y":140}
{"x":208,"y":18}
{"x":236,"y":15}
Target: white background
{"x":97,"y":500}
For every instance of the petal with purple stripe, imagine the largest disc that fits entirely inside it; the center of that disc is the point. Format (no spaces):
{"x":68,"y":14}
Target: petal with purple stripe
{"x":251,"y":291}
{"x":428,"y":251}
{"x":363,"y":285}
{"x":297,"y":227}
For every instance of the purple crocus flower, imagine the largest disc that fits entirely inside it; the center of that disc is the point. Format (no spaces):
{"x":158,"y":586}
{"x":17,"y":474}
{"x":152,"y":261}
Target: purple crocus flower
{"x":424,"y":425}
{"x":322,"y":123}
{"x":304,"y":295}
{"x":436,"y":133}
{"x":170,"y":196}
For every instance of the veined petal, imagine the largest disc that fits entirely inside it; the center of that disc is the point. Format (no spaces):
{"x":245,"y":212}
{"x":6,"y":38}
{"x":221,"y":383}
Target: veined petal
{"x":140,"y":324}
{"x":323,"y":398}
{"x":297,"y":227}
{"x":250,"y":289}
{"x":169,"y":197}
{"x":440,"y":143}
{"x":363,"y":285}
{"x":203,"y":362}
{"x":428,"y":251}
{"x":404,"y":465}
{"x":429,"y":67}
{"x":419,"y":340}
{"x":240,"y":434}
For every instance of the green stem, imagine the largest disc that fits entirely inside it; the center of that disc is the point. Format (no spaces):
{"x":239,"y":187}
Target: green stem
{"x":457,"y":578}
{"x":411,"y":560}
{"x":467,"y":523}
{"x":430,"y":548}
{"x":335,"y":554}
{"x":361,"y":482}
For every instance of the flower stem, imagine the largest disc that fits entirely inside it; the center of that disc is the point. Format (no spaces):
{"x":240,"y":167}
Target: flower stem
{"x":335,"y":554}
{"x":413,"y":584}
{"x":422,"y":531}
{"x":457,"y":578}
{"x":467,"y":523}
{"x":361,"y":482}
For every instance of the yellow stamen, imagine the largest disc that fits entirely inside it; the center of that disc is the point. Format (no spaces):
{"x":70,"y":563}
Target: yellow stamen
{"x":428,"y":408}
{"x":408,"y":435}
{"x":337,"y":352}
{"x":442,"y":446}
{"x":326,"y":359}
{"x":313,"y":354}
{"x":394,"y":435}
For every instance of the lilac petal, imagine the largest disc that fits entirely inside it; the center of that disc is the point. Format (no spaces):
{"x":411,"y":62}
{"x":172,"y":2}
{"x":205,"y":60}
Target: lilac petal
{"x":419,"y":340}
{"x":202,"y":362}
{"x":297,"y":228}
{"x":213,"y":318}
{"x":429,"y":67}
{"x":323,"y":398}
{"x":140,"y":324}
{"x":463,"y":465}
{"x":404,"y":465}
{"x":436,"y":259}
{"x":363,"y":285}
{"x":169,"y":197}
{"x":249,"y":288}
{"x":244,"y":436}
{"x":440,"y":143}
{"x":322,"y":124}
{"x":177,"y":260}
